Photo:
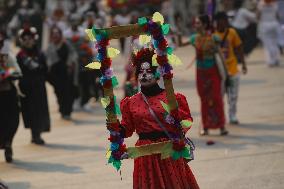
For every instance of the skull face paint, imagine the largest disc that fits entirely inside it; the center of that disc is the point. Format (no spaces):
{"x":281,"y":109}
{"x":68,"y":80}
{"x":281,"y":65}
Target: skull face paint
{"x":146,"y":76}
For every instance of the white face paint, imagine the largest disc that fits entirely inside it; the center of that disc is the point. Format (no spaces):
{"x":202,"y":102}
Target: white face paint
{"x":145,"y":76}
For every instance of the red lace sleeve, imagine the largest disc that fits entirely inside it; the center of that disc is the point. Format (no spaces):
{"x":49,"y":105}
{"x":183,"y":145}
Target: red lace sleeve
{"x":127,"y":122}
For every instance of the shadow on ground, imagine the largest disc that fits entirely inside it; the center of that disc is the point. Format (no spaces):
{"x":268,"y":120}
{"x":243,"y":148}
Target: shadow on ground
{"x":46,"y":167}
{"x":73,"y":147}
{"x":87,"y":122}
{"x":18,"y":185}
{"x":242,"y":141}
{"x":261,"y":126}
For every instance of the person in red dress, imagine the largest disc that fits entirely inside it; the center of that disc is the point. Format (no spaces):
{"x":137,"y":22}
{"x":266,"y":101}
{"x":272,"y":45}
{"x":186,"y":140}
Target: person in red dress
{"x":209,"y":82}
{"x":150,"y":171}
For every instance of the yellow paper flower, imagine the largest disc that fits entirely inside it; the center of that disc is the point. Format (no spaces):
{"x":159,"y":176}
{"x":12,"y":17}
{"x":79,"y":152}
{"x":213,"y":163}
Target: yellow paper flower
{"x":105,"y":101}
{"x":144,"y":39}
{"x":154,"y":60}
{"x":112,"y":52}
{"x":90,"y":34}
{"x":174,"y":60}
{"x":157,"y":17}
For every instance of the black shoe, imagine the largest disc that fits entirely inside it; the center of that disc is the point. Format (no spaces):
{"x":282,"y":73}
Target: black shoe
{"x":8,"y":154}
{"x":224,"y":132}
{"x":38,"y":141}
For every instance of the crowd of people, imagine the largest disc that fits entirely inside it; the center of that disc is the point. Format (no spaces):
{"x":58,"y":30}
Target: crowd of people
{"x":221,"y":42}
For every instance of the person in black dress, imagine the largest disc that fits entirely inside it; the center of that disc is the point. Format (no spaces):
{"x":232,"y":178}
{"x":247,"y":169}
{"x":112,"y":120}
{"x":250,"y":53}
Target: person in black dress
{"x":9,"y":110}
{"x":61,"y":60}
{"x":34,"y":104}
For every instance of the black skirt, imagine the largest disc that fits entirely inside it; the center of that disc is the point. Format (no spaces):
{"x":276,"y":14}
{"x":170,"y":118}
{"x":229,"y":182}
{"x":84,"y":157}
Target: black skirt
{"x":9,"y":116}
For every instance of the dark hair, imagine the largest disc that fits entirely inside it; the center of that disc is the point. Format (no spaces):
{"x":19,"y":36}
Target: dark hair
{"x":221,"y":16}
{"x":57,"y":29}
{"x":143,"y":55}
{"x":205,"y":20}
{"x":238,"y":4}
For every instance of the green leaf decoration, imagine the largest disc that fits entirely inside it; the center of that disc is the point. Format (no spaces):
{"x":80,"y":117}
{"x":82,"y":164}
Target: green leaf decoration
{"x":142,"y":21}
{"x":110,"y":160}
{"x":104,"y":33}
{"x":176,"y":155}
{"x":186,"y":123}
{"x":170,"y":50}
{"x":117,"y":109}
{"x":165,"y":106}
{"x":157,"y":74}
{"x":165,"y":28}
{"x":117,"y":164}
{"x":114,"y":82}
{"x":94,"y":31}
{"x":185,"y":153}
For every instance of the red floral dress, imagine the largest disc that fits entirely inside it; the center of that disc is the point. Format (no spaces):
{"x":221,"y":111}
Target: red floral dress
{"x":151,"y":172}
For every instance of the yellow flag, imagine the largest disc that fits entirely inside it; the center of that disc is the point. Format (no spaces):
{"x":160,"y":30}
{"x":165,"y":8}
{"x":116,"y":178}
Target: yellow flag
{"x":94,"y":65}
{"x":154,"y":60}
{"x":90,"y":34}
{"x":105,"y":101}
{"x":174,"y":60}
{"x":157,"y":17}
{"x":112,"y":52}
{"x":144,"y":39}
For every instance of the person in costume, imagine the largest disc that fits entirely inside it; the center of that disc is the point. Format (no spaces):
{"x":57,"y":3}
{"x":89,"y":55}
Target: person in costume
{"x":208,"y":77}
{"x":151,"y":171}
{"x":9,"y":109}
{"x":231,"y":47}
{"x":34,"y":103}
{"x":61,"y":60}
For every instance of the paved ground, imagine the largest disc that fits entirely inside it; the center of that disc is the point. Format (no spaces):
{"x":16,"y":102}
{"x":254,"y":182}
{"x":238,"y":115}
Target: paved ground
{"x":252,"y":156}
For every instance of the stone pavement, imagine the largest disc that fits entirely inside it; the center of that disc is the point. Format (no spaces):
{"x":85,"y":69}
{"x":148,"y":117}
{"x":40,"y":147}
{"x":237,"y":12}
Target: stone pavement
{"x":252,"y":156}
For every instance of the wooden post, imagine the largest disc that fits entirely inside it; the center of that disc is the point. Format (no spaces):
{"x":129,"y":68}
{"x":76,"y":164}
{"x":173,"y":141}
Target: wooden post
{"x":117,"y":32}
{"x":111,"y":116}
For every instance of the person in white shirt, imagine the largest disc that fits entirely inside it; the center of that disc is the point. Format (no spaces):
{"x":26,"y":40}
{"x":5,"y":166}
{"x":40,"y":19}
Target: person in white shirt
{"x":268,"y":31}
{"x":244,"y":21}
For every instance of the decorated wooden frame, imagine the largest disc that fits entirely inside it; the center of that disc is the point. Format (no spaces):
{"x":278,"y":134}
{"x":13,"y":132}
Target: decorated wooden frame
{"x":164,"y":58}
